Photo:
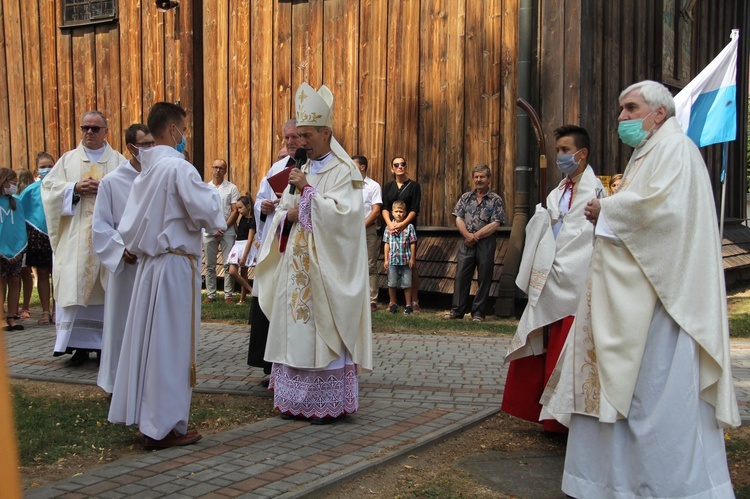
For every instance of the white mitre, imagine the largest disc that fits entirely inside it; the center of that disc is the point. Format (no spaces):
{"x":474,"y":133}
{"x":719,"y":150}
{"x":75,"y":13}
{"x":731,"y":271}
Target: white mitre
{"x":315,"y":108}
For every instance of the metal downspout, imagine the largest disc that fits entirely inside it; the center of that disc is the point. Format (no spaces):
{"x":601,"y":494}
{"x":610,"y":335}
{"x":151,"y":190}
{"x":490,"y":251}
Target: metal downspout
{"x":506,"y":300}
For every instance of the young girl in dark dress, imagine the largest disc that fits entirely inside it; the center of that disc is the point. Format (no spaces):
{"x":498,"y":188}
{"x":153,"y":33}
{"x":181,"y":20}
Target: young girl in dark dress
{"x":244,"y":252}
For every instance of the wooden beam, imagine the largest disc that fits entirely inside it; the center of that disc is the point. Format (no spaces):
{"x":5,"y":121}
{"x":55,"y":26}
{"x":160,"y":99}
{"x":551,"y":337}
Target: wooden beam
{"x":32,"y":65}
{"x":152,"y":22}
{"x":16,"y":85}
{"x":5,"y":136}
{"x":239,"y":95}
{"x":131,"y":83}
{"x":216,"y":81}
{"x":108,"y":82}
{"x":66,"y":105}
{"x":48,"y":43}
{"x":283,"y":105}
{"x":263,"y":147}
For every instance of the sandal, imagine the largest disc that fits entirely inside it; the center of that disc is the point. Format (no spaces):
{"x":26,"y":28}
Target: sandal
{"x":25,"y":314}
{"x":241,"y":302}
{"x":45,"y":318}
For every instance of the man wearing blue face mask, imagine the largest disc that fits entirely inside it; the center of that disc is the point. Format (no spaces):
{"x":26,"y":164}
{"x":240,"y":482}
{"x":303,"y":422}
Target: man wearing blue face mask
{"x":644,"y":381}
{"x":553,"y":271}
{"x":161,"y":226}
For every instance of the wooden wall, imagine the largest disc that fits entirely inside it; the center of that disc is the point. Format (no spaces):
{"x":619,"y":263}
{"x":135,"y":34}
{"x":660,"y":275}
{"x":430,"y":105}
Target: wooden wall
{"x":590,"y":50}
{"x":433,"y":80}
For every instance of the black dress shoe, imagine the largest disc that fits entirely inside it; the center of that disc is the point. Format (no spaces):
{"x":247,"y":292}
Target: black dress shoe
{"x":78,"y":358}
{"x":292,"y":417}
{"x":322,"y":421}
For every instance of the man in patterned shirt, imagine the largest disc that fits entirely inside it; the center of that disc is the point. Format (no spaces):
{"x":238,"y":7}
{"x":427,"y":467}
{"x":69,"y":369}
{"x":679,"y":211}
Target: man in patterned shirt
{"x":479,"y":213}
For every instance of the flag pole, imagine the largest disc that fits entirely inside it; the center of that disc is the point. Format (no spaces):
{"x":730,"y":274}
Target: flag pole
{"x":724,"y":154}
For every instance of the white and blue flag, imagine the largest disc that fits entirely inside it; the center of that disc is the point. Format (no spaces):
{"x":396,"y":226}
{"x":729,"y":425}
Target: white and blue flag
{"x":707,"y":107}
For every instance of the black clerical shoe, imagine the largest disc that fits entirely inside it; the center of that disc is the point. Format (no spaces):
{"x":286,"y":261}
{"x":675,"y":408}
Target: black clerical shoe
{"x":79,"y":357}
{"x":322,"y":421}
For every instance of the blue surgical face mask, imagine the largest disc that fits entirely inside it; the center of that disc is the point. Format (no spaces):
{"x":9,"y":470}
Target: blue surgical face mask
{"x":180,"y":147}
{"x":43,"y":172}
{"x":631,"y":132}
{"x":567,"y":164}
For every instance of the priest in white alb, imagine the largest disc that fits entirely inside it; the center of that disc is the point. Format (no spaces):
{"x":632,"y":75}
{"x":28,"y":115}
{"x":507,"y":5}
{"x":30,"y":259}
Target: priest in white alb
{"x":161,"y":225}
{"x":557,"y":252}
{"x":68,"y":195}
{"x":644,"y":382}
{"x":313,"y":275}
{"x":114,"y":190}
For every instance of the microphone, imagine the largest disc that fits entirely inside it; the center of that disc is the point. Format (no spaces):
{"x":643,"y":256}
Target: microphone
{"x":300,"y":158}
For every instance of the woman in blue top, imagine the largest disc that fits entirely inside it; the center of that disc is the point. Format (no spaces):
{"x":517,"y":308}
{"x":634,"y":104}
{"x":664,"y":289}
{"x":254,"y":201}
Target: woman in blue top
{"x":12,"y":242}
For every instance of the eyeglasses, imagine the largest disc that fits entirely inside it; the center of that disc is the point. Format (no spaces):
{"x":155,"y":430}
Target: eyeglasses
{"x":94,"y":129}
{"x":144,"y":145}
{"x":399,"y":165}
{"x":219,"y":167}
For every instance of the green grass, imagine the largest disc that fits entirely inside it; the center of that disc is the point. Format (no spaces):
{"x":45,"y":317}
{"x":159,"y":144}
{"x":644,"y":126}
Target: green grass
{"x":229,"y":313}
{"x":432,"y":322}
{"x":738,"y":305}
{"x":53,"y":427}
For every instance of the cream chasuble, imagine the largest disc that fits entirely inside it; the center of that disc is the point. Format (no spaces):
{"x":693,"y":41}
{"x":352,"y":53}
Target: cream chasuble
{"x":668,"y":252}
{"x":553,"y":270}
{"x":77,"y":274}
{"x":316,"y":293}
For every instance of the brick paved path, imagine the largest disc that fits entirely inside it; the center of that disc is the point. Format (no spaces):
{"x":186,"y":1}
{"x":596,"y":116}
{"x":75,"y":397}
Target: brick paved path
{"x":422,"y":388}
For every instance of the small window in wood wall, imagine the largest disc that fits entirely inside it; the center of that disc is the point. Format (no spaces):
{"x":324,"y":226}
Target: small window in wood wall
{"x":78,"y":12}
{"x":677,"y":41}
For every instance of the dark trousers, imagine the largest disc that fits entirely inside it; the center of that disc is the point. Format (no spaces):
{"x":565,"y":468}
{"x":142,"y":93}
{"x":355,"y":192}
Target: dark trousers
{"x":482,"y":258}
{"x":258,"y":337}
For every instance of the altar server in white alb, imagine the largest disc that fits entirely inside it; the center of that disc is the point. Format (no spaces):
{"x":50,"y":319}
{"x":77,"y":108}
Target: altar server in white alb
{"x":114,"y":190}
{"x":68,"y":195}
{"x":556,"y":256}
{"x":313,"y":275}
{"x":168,"y":206}
{"x":644,"y":382}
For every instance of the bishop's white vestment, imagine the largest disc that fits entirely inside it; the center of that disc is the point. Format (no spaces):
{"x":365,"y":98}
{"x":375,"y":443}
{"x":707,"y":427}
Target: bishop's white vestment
{"x":168,"y":206}
{"x":111,"y":198}
{"x":557,"y":252}
{"x":315,"y":293}
{"x":644,"y":381}
{"x":78,"y":278}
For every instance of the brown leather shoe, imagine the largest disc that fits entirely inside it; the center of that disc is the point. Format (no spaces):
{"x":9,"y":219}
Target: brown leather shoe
{"x":173,"y":439}
{"x":228,"y":300}
{"x":209,"y":300}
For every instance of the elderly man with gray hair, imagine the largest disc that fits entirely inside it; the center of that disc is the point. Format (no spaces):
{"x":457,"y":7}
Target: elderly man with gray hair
{"x":479,"y":213}
{"x":644,"y":381}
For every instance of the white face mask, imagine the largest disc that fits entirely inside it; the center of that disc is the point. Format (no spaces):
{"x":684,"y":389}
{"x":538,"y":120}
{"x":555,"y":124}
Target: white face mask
{"x":9,"y":191}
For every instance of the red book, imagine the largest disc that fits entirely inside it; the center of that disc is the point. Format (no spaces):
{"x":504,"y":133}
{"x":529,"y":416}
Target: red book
{"x":280,"y":181}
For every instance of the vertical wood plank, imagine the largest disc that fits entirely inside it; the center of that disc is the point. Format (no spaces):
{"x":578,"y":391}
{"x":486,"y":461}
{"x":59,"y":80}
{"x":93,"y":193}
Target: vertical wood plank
{"x":172,"y":55}
{"x":131,"y":88}
{"x":263,"y":147}
{"x":572,"y":62}
{"x":84,"y":72}
{"x":108,"y":82}
{"x":453,"y":111}
{"x":190,"y":67}
{"x":402,"y":99}
{"x":282,"y":73}
{"x":340,"y":40}
{"x":66,"y":109}
{"x":307,"y":43}
{"x":16,"y":87}
{"x":47,"y":29}
{"x":153,"y":55}
{"x":495,"y":70}
{"x":373,"y":51}
{"x":32,"y":64}
{"x":551,"y":78}
{"x":509,"y":95}
{"x":216,"y":81}
{"x":5,"y":140}
{"x":239,"y":94}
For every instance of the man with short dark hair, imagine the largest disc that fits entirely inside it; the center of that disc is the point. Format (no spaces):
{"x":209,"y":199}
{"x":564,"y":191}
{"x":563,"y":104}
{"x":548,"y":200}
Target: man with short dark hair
{"x":644,"y":381}
{"x":559,"y":243}
{"x":111,"y":199}
{"x":68,"y":194}
{"x":161,"y":226}
{"x":479,"y":214}
{"x":373,"y":199}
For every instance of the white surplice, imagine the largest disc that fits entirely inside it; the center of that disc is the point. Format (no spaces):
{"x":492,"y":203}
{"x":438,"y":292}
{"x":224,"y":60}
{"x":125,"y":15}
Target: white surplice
{"x":111,"y":198}
{"x":645,"y":378}
{"x":168,"y":207}
{"x":553,"y":268}
{"x":316,"y":293}
{"x":78,"y":277}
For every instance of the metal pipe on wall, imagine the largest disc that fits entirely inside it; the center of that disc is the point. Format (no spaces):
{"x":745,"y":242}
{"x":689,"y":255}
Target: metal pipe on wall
{"x":506,"y":300}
